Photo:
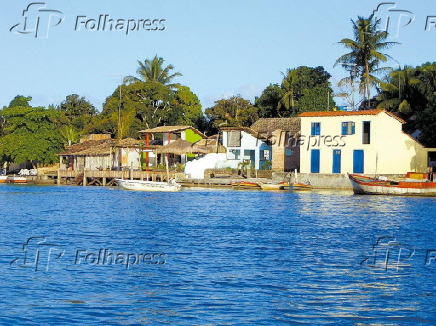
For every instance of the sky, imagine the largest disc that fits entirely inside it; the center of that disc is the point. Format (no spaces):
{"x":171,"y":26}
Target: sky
{"x":222,"y":47}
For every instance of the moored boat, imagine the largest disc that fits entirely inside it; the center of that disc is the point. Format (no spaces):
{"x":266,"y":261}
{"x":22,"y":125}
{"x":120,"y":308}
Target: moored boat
{"x":274,"y":186}
{"x":245,"y":185}
{"x":371,"y":186}
{"x":17,"y":179}
{"x":139,"y":185}
{"x":301,"y":186}
{"x":12,"y":179}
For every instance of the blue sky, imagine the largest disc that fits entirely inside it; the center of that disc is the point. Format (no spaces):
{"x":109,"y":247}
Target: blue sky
{"x":222,"y":48}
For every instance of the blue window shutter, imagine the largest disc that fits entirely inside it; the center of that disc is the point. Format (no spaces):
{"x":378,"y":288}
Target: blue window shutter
{"x":353,"y":128}
{"x":344,"y":128}
{"x":312,"y":131}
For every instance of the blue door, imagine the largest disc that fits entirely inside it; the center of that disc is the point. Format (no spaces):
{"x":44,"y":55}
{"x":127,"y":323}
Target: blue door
{"x":358,"y":161}
{"x":314,"y":161}
{"x":336,"y":161}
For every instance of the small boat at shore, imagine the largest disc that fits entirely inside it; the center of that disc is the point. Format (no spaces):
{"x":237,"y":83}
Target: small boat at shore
{"x":274,"y":186}
{"x":301,"y":186}
{"x":12,"y":179}
{"x":139,"y":185}
{"x":245,"y":185}
{"x":372,"y":186}
{"x":296,"y":186}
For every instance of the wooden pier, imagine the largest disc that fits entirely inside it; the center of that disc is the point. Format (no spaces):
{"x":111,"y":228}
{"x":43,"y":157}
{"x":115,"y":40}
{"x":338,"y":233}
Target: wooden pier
{"x":107,"y":177}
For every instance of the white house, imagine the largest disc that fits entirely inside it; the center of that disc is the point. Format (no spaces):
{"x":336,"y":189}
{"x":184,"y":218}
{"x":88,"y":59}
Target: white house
{"x":367,"y":142}
{"x":244,"y":145}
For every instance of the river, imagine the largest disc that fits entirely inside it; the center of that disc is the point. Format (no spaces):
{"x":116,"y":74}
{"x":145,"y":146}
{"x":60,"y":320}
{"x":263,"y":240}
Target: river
{"x":101,"y":256}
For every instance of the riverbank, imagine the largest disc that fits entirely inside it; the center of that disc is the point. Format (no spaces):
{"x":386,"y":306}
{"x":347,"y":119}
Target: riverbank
{"x":318,"y":181}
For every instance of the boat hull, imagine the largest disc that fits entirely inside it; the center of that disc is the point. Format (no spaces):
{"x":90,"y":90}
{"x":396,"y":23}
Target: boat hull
{"x":139,"y":185}
{"x":12,"y":179}
{"x":245,"y":185}
{"x":301,"y":186}
{"x":369,"y":186}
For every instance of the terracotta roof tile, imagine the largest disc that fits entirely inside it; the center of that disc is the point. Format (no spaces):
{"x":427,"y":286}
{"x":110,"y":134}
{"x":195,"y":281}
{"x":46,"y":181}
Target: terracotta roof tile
{"x":348,"y":113}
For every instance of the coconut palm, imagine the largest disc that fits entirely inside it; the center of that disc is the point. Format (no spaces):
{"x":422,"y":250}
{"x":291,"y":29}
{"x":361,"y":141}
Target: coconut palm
{"x":287,"y":102}
{"x":399,"y":91}
{"x":154,"y":71}
{"x":365,"y":57}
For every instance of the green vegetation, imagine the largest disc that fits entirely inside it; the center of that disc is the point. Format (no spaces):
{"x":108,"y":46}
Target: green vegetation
{"x":363,"y":62}
{"x":235,"y":112}
{"x":29,"y":133}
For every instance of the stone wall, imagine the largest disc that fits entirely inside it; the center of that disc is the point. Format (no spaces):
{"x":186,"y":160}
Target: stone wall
{"x":324,"y":181}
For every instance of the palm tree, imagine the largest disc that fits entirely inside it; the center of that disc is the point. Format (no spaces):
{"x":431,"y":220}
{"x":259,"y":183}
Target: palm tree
{"x":365,"y":57}
{"x":154,"y":71}
{"x":399,"y":91}
{"x":287,"y":102}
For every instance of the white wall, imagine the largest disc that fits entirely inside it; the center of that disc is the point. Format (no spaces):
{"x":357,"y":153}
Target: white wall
{"x":248,"y":142}
{"x":390,"y":151}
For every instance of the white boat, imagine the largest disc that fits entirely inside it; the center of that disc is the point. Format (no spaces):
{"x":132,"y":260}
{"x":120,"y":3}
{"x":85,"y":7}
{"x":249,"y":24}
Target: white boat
{"x":17,"y":179}
{"x":12,"y":179}
{"x":149,"y":185}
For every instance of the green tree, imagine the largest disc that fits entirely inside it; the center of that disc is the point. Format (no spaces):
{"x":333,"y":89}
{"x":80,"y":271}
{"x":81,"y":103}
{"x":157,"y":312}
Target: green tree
{"x":400,"y":91}
{"x":185,"y":108}
{"x":363,"y":62}
{"x":154,"y":71}
{"x":20,"y":100}
{"x":268,"y":102}
{"x":312,"y":83}
{"x":76,"y":111}
{"x":426,"y":123}
{"x":30,"y":134}
{"x":234,"y":112}
{"x":318,"y":98}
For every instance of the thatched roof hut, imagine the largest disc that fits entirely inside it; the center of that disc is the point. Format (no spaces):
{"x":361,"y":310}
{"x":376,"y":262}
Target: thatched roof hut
{"x":180,"y":147}
{"x":266,"y":126}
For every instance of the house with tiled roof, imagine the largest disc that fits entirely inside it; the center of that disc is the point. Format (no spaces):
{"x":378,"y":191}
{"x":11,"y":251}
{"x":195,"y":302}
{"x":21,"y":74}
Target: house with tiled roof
{"x":367,"y":142}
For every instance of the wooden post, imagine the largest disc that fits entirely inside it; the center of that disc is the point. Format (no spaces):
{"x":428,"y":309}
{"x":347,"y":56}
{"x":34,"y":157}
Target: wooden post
{"x":104,"y":181}
{"x":84,"y":178}
{"x":147,"y":154}
{"x":59,"y":177}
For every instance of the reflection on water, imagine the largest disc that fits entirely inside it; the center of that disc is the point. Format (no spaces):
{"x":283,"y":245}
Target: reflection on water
{"x":234,"y":257}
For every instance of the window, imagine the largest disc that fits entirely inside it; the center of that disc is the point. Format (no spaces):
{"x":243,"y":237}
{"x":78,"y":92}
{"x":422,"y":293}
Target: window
{"x":366,"y":132}
{"x":265,"y":155}
{"x":348,"y":128}
{"x":234,"y":154}
{"x":234,"y":138}
{"x":316,"y":129}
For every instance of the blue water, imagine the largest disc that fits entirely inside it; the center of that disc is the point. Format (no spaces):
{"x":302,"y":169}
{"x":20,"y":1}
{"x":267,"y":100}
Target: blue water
{"x":222,"y":257}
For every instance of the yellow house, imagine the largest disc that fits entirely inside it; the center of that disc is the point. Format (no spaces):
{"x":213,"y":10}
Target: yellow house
{"x":367,"y":142}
